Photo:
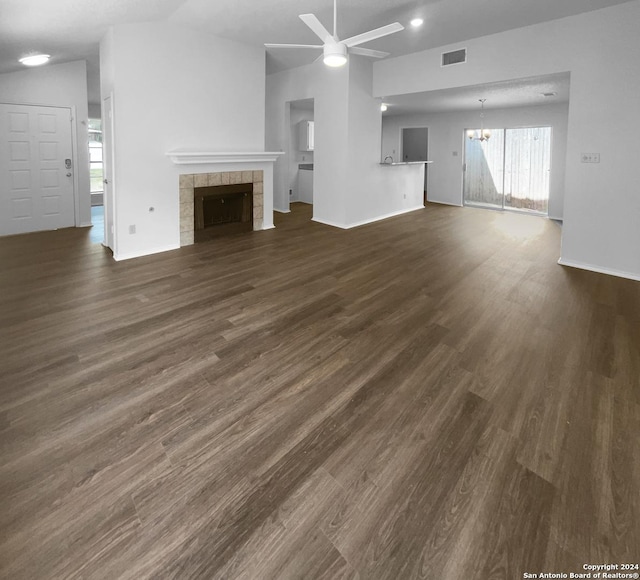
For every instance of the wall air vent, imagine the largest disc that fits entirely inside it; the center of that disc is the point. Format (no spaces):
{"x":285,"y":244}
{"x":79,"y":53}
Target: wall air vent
{"x":454,"y":57}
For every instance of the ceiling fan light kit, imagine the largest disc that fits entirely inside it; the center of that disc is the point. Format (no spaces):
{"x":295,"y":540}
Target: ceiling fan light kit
{"x":336,"y":51}
{"x":335,"y":54}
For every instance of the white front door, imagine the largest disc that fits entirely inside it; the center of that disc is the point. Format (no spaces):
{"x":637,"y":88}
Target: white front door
{"x":36,"y":169}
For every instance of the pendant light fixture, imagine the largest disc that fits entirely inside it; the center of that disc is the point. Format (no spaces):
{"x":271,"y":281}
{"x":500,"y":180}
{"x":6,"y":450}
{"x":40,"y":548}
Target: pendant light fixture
{"x":484,"y":134}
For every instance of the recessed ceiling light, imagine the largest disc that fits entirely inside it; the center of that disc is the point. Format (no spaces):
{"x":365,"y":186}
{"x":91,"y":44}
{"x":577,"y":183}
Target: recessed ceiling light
{"x":35,"y":59}
{"x":416,"y":22}
{"x":383,"y":107}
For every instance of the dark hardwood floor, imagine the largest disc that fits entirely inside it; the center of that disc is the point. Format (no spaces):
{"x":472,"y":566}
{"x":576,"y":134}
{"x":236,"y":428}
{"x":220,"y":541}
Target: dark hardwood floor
{"x":430,"y":396}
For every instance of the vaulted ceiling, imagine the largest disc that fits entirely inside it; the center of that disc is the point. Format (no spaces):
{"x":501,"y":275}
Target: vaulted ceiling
{"x":71,"y":29}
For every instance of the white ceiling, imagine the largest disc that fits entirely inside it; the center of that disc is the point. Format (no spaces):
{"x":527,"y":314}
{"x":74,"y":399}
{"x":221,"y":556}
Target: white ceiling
{"x":514,"y":93}
{"x":71,"y":29}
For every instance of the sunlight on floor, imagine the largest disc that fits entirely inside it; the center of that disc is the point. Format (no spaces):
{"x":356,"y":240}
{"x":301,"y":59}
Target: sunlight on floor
{"x":519,"y":227}
{"x":97,"y":220}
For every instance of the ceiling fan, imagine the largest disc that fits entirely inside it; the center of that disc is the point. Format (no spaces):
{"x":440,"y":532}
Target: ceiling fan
{"x":335,"y":50}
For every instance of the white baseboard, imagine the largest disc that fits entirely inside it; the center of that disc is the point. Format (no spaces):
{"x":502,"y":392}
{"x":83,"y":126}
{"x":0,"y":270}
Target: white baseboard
{"x":368,"y":221}
{"x":328,"y":223}
{"x":599,"y":270}
{"x":281,"y":210}
{"x":444,"y":202}
{"x":119,"y":257}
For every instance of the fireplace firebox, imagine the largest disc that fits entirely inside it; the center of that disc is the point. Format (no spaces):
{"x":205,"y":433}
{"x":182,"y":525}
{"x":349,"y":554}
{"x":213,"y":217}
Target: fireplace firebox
{"x":221,"y":210}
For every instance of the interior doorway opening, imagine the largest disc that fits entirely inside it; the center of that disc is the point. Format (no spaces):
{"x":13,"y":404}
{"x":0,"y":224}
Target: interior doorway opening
{"x":415,"y":147}
{"x":301,"y":147}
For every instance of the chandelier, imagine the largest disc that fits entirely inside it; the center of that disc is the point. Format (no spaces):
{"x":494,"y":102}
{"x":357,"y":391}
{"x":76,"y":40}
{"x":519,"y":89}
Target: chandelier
{"x":484,"y":134}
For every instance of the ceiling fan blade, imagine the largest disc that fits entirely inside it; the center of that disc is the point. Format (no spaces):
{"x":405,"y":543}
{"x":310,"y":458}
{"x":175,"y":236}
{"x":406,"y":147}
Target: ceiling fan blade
{"x":320,"y":31}
{"x":368,"y":52}
{"x":373,"y":34}
{"x":293,"y":45}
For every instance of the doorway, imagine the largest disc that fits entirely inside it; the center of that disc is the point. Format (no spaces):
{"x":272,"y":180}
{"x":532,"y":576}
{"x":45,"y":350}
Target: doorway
{"x":509,"y":171}
{"x":36,"y":169}
{"x":301,"y":151}
{"x":415,"y":147}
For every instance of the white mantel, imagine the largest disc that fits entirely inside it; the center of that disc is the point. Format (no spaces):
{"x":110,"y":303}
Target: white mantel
{"x":196,"y":167}
{"x":186,"y":157}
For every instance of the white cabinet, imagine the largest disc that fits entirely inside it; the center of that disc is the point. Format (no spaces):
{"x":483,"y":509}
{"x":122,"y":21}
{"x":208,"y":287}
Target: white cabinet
{"x":305,"y":186}
{"x":305,"y":135}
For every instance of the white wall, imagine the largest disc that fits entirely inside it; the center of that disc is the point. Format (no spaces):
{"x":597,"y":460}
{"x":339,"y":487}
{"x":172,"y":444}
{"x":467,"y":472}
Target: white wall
{"x":62,"y":85}
{"x":326,"y":86}
{"x":601,"y":49}
{"x":95,"y":111}
{"x":296,"y":155}
{"x":174,"y":88}
{"x":446,"y":138}
{"x":375,"y":191}
{"x":349,"y":185}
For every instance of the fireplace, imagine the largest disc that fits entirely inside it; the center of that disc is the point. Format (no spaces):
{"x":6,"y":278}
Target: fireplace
{"x":250,"y":182}
{"x":221,"y":210}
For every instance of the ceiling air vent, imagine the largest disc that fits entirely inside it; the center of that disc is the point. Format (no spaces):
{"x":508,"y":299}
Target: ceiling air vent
{"x":454,"y":57}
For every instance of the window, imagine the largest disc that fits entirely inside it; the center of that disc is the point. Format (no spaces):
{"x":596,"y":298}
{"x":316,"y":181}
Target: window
{"x":95,"y":155}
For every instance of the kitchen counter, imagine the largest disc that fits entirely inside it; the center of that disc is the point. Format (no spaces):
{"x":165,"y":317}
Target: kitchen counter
{"x":405,"y":163}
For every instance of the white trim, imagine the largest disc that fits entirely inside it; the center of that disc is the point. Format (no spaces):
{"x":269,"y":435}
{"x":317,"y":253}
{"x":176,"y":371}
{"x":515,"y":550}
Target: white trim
{"x":76,"y":169}
{"x":148,"y":252}
{"x":599,"y":270}
{"x":180,"y":157}
{"x":444,"y":202}
{"x":328,"y":223}
{"x":281,"y":210}
{"x":368,"y":221}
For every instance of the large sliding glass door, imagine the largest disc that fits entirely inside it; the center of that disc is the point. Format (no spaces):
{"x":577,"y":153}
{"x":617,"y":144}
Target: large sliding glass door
{"x":484,"y":171}
{"x":510,"y":170}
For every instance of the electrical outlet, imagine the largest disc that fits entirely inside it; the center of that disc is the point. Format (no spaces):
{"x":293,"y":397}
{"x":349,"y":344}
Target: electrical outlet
{"x":590,"y":157}
{"x":132,"y":229}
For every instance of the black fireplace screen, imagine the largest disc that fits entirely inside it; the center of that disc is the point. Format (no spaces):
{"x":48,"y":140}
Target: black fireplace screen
{"x":222,"y":209}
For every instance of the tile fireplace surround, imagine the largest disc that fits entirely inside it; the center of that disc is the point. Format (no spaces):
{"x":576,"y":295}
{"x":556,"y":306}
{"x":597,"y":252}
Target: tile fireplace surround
{"x":189,"y":181}
{"x":216,"y":168}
